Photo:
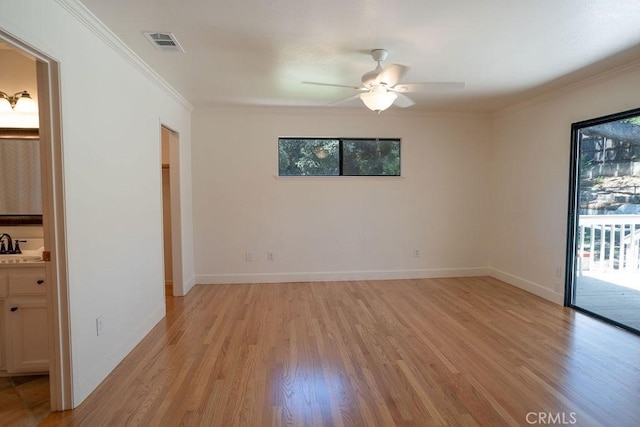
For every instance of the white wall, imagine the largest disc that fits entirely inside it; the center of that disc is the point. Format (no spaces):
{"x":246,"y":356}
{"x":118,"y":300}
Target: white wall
{"x":478,"y":195}
{"x":531,"y":156}
{"x":111,"y":115}
{"x":333,"y":228}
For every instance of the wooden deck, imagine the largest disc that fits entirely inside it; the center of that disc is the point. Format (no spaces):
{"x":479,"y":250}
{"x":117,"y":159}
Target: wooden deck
{"x":468,"y":351}
{"x":607,"y":299}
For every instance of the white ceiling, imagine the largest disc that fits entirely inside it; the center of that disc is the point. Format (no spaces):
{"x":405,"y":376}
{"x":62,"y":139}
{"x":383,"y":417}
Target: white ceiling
{"x":256,"y":52}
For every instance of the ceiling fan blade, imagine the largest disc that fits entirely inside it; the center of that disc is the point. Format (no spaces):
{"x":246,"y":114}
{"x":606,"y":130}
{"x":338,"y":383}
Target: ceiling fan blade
{"x":403,"y":101}
{"x":391,"y":74}
{"x":428,"y":87}
{"x":343,"y":100}
{"x":333,"y":85}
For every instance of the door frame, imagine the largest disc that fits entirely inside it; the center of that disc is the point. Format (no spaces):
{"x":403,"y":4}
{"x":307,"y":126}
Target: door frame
{"x":574,"y":214}
{"x":53,"y":222}
{"x":176,"y":216}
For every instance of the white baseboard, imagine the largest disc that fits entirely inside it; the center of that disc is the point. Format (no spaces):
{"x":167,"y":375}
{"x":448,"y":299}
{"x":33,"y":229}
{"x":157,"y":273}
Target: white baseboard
{"x":527,"y":285}
{"x":189,"y":284}
{"x":335,"y":276}
{"x":88,"y":381}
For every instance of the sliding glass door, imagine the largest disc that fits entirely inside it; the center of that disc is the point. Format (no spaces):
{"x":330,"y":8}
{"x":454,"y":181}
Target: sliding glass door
{"x":603,"y":254}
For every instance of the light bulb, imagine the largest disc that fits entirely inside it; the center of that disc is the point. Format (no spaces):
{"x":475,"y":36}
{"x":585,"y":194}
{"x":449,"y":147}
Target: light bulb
{"x":5,"y":105}
{"x":378,"y":99}
{"x":25,"y":104}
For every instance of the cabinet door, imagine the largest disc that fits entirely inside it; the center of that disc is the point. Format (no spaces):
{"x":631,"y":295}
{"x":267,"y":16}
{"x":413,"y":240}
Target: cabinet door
{"x":28,"y":349}
{"x":27,"y":282}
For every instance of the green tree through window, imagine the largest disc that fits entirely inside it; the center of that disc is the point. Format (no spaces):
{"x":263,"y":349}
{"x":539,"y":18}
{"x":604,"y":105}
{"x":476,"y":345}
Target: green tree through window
{"x":371,"y":157}
{"x":338,"y":156}
{"x":308,"y":157}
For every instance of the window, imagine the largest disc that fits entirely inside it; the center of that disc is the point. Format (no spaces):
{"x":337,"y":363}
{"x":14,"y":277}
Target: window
{"x":338,"y":156}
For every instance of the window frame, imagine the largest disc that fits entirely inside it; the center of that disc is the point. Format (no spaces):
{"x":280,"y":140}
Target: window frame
{"x":341,"y":155}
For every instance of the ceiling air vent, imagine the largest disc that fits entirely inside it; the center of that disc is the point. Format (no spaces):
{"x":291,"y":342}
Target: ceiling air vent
{"x":164,"y":42}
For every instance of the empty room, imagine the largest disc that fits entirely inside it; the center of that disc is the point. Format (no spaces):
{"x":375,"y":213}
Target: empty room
{"x":319,"y":213}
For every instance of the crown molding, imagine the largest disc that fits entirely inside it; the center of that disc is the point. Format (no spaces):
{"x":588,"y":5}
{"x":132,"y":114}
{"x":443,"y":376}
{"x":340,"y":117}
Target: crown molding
{"x":332,"y":111}
{"x":573,"y":87}
{"x":90,"y":21}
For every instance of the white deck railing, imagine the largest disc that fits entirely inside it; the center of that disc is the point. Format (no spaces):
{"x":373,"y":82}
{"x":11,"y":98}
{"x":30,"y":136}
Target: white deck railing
{"x":609,"y":242}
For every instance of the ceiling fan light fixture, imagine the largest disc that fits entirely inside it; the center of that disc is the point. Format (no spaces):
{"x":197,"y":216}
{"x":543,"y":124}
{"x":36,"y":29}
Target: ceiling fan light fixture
{"x":381,"y":88}
{"x":378,"y":99}
{"x":369,"y":79}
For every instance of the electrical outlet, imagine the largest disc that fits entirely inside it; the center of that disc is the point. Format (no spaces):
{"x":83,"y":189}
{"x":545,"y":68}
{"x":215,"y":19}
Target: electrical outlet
{"x":248,"y":256}
{"x":557,"y":281}
{"x":99,"y":325}
{"x":416,"y":253}
{"x":270,"y":256}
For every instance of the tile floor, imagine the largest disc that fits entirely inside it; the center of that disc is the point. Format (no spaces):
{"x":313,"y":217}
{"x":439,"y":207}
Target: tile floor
{"x":24,"y":401}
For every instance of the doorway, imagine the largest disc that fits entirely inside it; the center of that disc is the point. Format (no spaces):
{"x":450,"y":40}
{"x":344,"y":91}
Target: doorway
{"x":604,"y":228}
{"x":172,"y":233}
{"x":53,"y":226}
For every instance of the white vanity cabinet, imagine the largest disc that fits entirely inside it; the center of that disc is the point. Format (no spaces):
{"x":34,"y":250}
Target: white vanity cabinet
{"x":24,"y":343}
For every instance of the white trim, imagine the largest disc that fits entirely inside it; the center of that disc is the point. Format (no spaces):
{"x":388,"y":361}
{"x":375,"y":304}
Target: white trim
{"x":320,"y":276}
{"x":189,"y":284}
{"x":175,"y":196}
{"x":325,"y":110}
{"x":89,"y":20}
{"x":350,"y":178}
{"x":554,"y":93}
{"x":54,"y":233}
{"x":527,"y":285}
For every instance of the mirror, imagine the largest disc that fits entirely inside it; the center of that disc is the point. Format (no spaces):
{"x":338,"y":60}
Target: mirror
{"x":20,"y":187}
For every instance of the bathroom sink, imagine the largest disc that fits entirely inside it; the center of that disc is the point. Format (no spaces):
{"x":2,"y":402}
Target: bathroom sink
{"x":18,"y":258}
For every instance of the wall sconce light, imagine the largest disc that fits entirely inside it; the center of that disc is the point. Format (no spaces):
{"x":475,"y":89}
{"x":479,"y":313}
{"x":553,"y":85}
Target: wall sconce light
{"x":378,"y":98}
{"x":21,"y":102}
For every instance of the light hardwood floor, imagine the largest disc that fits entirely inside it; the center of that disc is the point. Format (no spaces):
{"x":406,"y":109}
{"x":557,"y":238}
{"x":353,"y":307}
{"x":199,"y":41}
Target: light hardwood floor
{"x":466,"y":351}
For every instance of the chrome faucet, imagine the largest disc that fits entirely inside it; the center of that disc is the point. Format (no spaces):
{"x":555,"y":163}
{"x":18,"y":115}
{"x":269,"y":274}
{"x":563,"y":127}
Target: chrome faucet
{"x":6,"y":249}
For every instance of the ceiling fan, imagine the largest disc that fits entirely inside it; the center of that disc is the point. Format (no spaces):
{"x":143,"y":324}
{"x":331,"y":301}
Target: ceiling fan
{"x":381,"y":88}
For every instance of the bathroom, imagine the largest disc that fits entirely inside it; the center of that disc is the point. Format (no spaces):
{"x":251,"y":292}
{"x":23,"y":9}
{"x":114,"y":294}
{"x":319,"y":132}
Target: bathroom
{"x":24,"y":343}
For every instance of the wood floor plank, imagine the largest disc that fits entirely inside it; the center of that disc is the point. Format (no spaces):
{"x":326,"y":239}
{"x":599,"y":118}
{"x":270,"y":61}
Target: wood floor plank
{"x":456,"y":351}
